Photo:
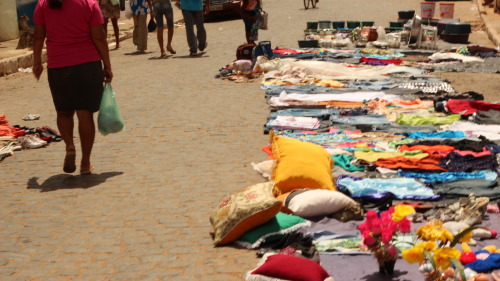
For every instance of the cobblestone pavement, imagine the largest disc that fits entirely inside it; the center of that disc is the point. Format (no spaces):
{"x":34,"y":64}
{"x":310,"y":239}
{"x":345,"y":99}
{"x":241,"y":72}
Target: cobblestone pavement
{"x":188,"y":143}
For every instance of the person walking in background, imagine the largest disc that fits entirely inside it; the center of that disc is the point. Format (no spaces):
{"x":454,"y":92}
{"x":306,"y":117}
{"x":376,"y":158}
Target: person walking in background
{"x":76,"y":50}
{"x":140,"y":10}
{"x":163,"y":8}
{"x":248,"y":10}
{"x":110,"y":11}
{"x":192,"y":11}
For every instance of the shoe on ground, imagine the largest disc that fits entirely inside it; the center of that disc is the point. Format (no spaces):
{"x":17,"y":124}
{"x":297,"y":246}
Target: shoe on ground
{"x":203,"y":48}
{"x":31,"y":117}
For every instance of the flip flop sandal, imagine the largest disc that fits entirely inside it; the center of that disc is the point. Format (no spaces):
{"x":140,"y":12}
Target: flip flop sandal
{"x":69,"y":161}
{"x":420,"y":207}
{"x":87,"y":172}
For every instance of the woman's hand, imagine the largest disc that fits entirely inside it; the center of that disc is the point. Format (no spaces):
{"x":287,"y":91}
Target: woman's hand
{"x":37,"y":70}
{"x":108,"y":74}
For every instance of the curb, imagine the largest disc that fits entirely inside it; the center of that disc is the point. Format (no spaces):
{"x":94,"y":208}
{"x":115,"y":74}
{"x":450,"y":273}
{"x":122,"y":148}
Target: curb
{"x":492,"y":34}
{"x":12,"y":65}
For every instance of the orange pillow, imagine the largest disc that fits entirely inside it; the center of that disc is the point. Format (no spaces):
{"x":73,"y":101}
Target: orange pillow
{"x":243,"y":211}
{"x":300,"y":165}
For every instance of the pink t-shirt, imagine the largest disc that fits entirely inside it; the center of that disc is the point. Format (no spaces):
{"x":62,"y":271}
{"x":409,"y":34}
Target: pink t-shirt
{"x":69,"y":40}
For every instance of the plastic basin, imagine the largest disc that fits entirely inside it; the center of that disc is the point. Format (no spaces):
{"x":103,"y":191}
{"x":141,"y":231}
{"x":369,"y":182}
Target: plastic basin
{"x":308,"y":43}
{"x":353,"y":24}
{"x":457,"y":28}
{"x":406,"y":14}
{"x":338,"y":24}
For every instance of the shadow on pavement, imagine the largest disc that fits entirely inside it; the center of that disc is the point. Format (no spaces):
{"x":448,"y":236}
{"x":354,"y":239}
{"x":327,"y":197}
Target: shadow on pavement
{"x":200,"y":55}
{"x":160,"y":58}
{"x":66,"y":181}
{"x":137,"y":53}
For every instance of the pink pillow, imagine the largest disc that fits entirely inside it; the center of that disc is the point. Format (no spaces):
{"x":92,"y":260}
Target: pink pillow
{"x":292,"y":268}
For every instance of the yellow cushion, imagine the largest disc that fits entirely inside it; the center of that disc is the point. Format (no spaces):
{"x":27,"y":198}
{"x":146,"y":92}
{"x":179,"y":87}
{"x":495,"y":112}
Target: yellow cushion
{"x":300,"y":165}
{"x":243,"y":211}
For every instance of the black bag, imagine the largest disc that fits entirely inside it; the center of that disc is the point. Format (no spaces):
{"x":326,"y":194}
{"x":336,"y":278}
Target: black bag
{"x":151,"y":25}
{"x":263,"y":49}
{"x":244,"y":51}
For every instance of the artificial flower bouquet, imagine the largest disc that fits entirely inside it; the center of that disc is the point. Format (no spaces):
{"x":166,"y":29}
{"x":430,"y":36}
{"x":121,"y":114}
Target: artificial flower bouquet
{"x":436,"y":251}
{"x":380,"y":232}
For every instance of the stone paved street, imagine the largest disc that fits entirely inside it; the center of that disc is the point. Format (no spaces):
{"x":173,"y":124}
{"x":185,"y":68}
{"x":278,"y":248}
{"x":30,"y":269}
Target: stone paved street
{"x":188,"y":143}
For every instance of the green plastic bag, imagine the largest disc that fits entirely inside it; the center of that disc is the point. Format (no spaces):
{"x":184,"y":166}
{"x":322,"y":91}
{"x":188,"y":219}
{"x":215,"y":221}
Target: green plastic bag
{"x":109,"y":119}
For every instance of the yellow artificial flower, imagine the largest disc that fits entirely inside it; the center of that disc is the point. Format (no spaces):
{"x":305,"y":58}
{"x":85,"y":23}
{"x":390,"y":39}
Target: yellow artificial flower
{"x":402,"y":211}
{"x":414,"y":255}
{"x":442,"y":256}
{"x":467,"y":237}
{"x":428,"y":245}
{"x":434,"y":231}
{"x":446,"y":235}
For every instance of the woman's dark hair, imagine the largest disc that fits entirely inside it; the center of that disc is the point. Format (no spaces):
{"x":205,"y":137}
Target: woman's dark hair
{"x":55,"y":4}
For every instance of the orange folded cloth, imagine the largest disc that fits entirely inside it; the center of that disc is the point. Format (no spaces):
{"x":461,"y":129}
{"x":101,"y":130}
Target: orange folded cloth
{"x":401,"y":162}
{"x":427,"y":148}
{"x":345,"y":104}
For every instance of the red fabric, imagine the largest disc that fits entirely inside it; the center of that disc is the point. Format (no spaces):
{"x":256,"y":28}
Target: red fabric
{"x":283,"y":51}
{"x":7,"y":130}
{"x":365,"y":59}
{"x":485,"y":152}
{"x":292,"y":268}
{"x":268,"y":150}
{"x":427,"y":148}
{"x":401,"y":162}
{"x":68,"y":31}
{"x":467,"y":107}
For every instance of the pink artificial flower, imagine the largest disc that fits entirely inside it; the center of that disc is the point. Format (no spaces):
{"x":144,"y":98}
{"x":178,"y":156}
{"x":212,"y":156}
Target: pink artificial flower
{"x":405,"y":225}
{"x":390,"y":210}
{"x":369,"y":241}
{"x":386,"y":235}
{"x":375,"y":226}
{"x":385,"y":219}
{"x":363,"y":227}
{"x":391,"y":249}
{"x":370,"y":215}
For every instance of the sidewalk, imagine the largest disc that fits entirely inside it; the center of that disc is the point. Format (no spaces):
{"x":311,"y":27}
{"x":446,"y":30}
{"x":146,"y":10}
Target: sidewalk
{"x":491,"y":21}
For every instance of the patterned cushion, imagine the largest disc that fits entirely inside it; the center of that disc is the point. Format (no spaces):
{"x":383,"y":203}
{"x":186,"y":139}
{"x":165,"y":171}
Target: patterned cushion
{"x":272,"y":231}
{"x":300,"y":165}
{"x":242,"y":211}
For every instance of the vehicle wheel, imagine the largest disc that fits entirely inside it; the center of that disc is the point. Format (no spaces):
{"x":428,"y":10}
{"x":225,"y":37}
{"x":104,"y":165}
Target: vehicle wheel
{"x":313,"y":3}
{"x":306,"y":4}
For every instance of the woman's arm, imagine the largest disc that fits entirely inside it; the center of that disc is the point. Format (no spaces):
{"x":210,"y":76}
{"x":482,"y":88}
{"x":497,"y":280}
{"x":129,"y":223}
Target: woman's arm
{"x":99,"y":38}
{"x":150,"y":4}
{"x":38,"y":41}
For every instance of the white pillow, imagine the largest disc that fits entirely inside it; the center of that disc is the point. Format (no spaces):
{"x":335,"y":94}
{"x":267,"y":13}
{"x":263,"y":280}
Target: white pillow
{"x":317,"y":202}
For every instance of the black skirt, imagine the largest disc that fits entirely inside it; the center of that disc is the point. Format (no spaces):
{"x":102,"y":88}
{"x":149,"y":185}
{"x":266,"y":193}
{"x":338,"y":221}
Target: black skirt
{"x":77,"y":87}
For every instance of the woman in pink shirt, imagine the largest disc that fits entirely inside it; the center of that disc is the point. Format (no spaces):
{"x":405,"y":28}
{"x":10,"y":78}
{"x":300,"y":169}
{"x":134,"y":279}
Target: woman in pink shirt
{"x":76,"y":51}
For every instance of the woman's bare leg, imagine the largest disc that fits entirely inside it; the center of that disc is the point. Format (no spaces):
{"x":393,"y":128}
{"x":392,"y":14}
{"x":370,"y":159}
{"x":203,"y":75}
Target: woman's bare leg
{"x":86,"y":129}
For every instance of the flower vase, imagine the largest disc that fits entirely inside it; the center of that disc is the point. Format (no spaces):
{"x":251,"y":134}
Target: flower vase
{"x":386,"y":267}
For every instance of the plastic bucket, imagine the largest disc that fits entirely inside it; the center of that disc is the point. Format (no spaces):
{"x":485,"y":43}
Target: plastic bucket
{"x":446,"y":10}
{"x":427,"y":9}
